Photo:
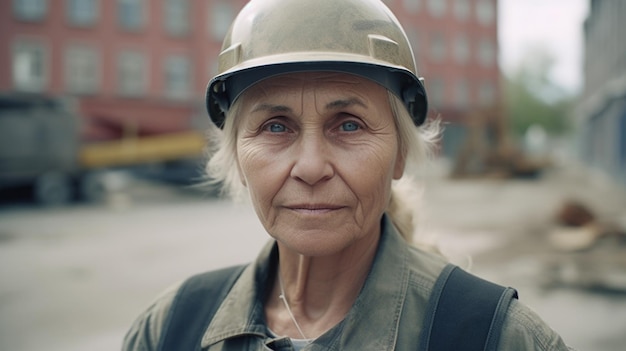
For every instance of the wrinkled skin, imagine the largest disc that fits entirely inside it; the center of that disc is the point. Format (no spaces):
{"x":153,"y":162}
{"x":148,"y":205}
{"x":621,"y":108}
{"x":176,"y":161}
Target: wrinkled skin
{"x":318,"y":152}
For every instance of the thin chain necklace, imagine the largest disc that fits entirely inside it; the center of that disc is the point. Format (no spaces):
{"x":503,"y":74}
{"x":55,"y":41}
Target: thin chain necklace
{"x":284,"y":299}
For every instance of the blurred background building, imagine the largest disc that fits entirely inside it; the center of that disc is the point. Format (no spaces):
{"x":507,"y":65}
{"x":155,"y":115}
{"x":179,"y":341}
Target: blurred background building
{"x":602,"y":113}
{"x":456,"y":49}
{"x":133,"y":72}
{"x":139,"y":68}
{"x":149,"y":61}
{"x":130,"y":63}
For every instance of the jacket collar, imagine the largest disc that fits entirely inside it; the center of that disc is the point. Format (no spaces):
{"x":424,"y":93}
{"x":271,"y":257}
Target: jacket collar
{"x":241,"y":313}
{"x":371,"y":323}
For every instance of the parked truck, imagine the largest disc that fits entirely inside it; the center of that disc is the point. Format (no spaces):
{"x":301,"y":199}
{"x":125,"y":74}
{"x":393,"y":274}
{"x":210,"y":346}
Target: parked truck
{"x":41,"y":148}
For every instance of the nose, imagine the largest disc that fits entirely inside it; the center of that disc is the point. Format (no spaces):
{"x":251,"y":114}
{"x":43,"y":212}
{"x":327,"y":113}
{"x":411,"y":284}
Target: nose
{"x":312,"y":163}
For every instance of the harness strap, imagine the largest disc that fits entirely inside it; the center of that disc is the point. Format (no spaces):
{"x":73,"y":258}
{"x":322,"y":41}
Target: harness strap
{"x":193,"y":308}
{"x":464,"y":312}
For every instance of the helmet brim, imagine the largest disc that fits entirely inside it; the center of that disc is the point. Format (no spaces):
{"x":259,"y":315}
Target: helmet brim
{"x":226,"y":88}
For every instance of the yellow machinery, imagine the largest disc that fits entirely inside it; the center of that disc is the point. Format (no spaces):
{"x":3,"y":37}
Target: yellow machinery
{"x":134,"y":150}
{"x":40,"y":148}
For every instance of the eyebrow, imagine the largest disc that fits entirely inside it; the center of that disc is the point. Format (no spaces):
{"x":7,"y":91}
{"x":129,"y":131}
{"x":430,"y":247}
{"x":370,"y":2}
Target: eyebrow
{"x":338,"y":104}
{"x":334,"y":105}
{"x":272,"y":108}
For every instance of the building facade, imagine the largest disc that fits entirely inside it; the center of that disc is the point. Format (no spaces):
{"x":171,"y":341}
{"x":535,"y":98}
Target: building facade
{"x":139,"y":65}
{"x":455,"y":43}
{"x":602,"y":111}
{"x":144,"y":64}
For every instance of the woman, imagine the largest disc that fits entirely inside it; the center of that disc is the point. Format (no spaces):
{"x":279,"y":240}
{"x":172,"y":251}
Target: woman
{"x":318,"y":102}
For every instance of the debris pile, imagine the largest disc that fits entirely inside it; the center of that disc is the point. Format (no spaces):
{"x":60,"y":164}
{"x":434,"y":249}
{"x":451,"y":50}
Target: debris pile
{"x":578,"y":228}
{"x":593,"y":252}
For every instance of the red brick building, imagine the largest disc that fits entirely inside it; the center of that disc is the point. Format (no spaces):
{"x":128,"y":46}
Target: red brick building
{"x":131,"y":63}
{"x":145,"y":63}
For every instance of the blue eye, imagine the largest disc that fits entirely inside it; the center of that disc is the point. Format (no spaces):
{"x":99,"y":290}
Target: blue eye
{"x":276,"y":128}
{"x":349,"y":127}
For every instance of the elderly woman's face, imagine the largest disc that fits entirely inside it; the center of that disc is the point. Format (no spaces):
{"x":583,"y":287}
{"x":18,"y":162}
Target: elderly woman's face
{"x":318,"y":152}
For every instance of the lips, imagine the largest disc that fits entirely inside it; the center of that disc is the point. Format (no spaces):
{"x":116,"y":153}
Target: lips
{"x":313,"y":208}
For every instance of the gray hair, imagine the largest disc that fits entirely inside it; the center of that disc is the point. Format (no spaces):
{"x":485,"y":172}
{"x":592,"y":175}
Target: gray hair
{"x":416,"y":144}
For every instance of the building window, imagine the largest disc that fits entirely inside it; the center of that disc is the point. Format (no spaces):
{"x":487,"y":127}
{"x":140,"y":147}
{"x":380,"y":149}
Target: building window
{"x":82,"y":12}
{"x":30,"y":10}
{"x":222,"y":14}
{"x":485,"y":11}
{"x":131,"y":14}
{"x":486,"y":53}
{"x":177,"y":16}
{"x":486,"y":94}
{"x":30,"y":66}
{"x":461,"y":9}
{"x":438,"y":47}
{"x":132,"y":73}
{"x":177,"y":77}
{"x":412,"y":5}
{"x":461,"y":49}
{"x":461,"y":94}
{"x":437,"y":8}
{"x":82,"y":69}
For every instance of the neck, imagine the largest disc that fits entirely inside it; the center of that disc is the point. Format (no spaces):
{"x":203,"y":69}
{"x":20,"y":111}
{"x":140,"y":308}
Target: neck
{"x":319,"y":290}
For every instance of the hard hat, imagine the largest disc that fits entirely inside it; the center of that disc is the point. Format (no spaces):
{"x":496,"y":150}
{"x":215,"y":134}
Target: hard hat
{"x":273,"y":37}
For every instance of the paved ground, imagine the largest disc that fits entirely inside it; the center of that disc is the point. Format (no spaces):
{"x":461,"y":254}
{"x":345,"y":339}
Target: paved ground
{"x":74,"y":278}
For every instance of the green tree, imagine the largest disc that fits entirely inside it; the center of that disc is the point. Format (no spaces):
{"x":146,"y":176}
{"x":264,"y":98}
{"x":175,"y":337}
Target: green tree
{"x":532,"y":98}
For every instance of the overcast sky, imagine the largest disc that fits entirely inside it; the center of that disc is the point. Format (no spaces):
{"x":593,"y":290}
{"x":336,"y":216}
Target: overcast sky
{"x":553,"y":24}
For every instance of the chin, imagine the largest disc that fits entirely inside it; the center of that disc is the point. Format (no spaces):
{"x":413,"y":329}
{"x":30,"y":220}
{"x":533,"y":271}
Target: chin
{"x":318,"y":243}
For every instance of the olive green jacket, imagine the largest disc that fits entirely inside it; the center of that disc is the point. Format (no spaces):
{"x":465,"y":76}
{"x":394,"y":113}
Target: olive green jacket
{"x":387,"y":314}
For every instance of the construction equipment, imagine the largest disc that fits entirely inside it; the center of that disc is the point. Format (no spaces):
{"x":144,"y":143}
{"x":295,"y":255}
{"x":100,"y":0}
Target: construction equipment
{"x":40,"y":147}
{"x":489,"y":150}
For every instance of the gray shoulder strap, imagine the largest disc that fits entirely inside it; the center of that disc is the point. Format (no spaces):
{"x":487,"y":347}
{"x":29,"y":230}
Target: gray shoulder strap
{"x":193,"y":308}
{"x":464,"y":312}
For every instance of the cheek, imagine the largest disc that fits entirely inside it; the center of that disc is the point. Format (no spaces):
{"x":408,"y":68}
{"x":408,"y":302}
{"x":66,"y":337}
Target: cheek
{"x":260,"y":170}
{"x":369,"y":173}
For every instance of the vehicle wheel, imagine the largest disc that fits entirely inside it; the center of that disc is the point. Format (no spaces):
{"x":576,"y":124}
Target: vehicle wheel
{"x":92,"y":187}
{"x":53,"y":189}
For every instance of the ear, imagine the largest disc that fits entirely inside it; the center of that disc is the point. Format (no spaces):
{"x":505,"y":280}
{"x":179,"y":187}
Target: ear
{"x":398,"y":169}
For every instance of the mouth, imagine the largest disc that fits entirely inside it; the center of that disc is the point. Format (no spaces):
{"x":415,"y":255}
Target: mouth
{"x":313,"y":208}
